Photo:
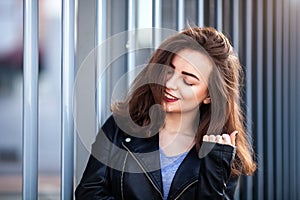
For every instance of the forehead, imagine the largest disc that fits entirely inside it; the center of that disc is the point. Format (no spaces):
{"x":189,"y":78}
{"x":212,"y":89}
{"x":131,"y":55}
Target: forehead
{"x":193,"y":62}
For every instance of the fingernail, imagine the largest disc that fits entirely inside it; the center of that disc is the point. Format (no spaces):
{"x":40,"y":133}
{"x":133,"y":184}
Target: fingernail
{"x":236,"y":133}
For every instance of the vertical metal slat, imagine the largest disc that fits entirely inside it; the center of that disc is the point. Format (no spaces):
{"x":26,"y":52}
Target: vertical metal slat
{"x":219,"y":14}
{"x":298,"y":97}
{"x":292,"y":101}
{"x":269,"y":99}
{"x":180,"y":15}
{"x":278,"y":102}
{"x":67,"y":73}
{"x":131,"y":40}
{"x":235,"y":18}
{"x":157,"y":22}
{"x":201,"y":13}
{"x":249,"y":65}
{"x":100,"y":51}
{"x":259,"y":100}
{"x":30,"y":100}
{"x":285,"y":105}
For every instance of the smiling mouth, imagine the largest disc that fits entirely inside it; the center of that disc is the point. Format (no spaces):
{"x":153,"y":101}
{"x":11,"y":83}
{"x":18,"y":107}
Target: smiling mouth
{"x":170,"y":98}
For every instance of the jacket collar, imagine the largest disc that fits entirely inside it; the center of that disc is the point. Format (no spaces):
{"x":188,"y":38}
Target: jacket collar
{"x":146,"y":152}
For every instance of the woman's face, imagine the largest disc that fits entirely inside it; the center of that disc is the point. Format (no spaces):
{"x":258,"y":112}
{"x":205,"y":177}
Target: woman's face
{"x":186,"y":86}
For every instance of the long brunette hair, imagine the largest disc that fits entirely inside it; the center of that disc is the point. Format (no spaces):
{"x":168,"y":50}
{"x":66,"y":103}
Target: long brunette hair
{"x":141,"y":110}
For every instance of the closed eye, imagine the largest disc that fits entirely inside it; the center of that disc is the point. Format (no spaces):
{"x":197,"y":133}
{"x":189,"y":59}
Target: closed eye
{"x":187,"y":83}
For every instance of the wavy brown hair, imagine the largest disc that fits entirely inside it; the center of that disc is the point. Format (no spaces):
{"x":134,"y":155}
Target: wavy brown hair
{"x":141,"y":115}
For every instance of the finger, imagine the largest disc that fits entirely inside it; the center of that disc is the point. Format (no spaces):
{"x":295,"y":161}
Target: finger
{"x":205,"y":138}
{"x":233,"y":137}
{"x":226,"y":139}
{"x":212,"y":138}
{"x":219,"y":139}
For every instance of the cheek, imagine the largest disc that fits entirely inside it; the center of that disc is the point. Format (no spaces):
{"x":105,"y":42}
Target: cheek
{"x":189,"y":93}
{"x":200,"y":94}
{"x":194,"y":94}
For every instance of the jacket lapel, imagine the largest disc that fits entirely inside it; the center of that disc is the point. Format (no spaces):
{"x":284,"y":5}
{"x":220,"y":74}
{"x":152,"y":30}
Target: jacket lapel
{"x":146,"y":152}
{"x":186,"y":175}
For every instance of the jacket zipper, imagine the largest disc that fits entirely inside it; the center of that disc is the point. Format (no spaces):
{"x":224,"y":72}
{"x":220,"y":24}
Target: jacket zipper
{"x":186,"y":189}
{"x":143,"y":170}
{"x":122,"y":176}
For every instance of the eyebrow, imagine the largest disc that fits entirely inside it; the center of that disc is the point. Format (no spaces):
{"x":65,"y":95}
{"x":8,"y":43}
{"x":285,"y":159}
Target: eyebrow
{"x":185,"y":73}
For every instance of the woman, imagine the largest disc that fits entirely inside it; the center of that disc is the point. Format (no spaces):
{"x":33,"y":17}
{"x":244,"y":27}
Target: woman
{"x":175,"y":134}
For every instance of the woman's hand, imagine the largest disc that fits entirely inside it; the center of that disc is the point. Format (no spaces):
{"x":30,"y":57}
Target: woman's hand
{"x":222,"y":139}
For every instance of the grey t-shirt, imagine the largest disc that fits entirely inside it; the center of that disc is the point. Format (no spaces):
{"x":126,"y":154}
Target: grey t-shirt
{"x":169,"y":166}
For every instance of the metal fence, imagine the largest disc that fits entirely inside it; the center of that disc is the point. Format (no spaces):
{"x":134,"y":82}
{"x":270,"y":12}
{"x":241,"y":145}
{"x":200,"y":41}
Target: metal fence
{"x":30,"y":99}
{"x":265,"y":34}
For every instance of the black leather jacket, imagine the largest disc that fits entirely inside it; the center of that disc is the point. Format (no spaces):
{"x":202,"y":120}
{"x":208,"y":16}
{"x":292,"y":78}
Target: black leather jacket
{"x":126,"y":167}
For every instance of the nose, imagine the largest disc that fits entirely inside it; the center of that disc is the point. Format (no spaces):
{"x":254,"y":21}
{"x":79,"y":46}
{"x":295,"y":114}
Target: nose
{"x":172,"y":82}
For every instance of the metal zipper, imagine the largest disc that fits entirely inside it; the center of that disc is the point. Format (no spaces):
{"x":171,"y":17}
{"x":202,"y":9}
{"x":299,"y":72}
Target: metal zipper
{"x":143,"y":169}
{"x":122,"y":175}
{"x":186,"y":189}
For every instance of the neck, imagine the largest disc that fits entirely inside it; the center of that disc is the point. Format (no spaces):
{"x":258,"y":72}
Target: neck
{"x":185,"y":123}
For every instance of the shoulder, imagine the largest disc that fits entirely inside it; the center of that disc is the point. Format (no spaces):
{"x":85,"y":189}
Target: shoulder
{"x":109,"y":133}
{"x":112,"y":127}
{"x":109,"y":125}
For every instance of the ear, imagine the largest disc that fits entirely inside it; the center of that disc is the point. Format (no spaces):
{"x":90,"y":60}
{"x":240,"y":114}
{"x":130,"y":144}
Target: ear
{"x":207,"y":100}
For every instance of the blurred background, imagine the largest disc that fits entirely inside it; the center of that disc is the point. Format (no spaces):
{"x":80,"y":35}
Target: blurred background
{"x":264,"y":33}
{"x":11,"y":64}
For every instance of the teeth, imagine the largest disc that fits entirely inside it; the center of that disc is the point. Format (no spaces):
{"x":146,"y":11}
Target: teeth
{"x":169,"y":96}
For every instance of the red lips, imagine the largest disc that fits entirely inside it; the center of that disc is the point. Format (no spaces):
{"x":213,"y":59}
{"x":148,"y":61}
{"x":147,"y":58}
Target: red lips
{"x":170,"y":98}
